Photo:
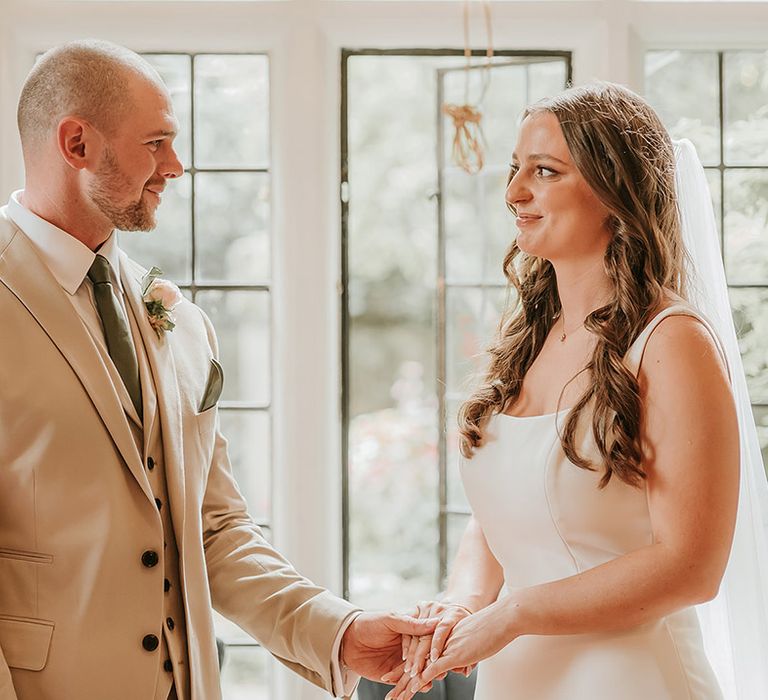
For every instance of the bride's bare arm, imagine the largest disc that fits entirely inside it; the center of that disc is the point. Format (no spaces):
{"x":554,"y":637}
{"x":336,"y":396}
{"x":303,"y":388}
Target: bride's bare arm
{"x":476,"y":575}
{"x":691,"y":446}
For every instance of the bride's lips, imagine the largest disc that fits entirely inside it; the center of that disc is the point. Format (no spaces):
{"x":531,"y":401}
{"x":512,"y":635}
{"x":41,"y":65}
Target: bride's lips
{"x":526,"y":219}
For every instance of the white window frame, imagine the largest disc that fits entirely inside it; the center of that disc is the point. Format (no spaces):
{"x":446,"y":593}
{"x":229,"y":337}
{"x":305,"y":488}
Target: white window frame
{"x":304,"y":38}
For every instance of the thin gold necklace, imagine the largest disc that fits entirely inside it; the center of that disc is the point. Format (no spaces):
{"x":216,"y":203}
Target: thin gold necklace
{"x":564,"y":335}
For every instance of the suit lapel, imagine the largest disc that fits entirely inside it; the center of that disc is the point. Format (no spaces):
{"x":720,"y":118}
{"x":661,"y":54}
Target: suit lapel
{"x":163,"y":370}
{"x":22,"y":271}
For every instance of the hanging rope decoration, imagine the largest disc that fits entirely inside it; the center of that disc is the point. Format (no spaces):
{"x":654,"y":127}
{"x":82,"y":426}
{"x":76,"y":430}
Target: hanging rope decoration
{"x":468,"y":141}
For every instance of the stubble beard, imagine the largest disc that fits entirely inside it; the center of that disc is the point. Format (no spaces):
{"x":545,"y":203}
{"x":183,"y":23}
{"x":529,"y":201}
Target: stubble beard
{"x":109,"y":179}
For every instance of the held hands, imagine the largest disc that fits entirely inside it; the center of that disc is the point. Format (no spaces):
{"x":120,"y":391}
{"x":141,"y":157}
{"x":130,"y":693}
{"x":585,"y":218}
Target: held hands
{"x":470,"y":639}
{"x":417,"y":651}
{"x":372,"y":645}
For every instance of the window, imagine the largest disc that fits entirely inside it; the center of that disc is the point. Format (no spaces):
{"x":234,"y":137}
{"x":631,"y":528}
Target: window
{"x":424,"y":290}
{"x":718,"y":100}
{"x":213,"y":239}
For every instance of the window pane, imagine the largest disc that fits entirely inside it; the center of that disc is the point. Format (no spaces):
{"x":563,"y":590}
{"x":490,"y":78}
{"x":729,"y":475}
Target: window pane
{"x":231,"y":111}
{"x":232,"y":227}
{"x":506,"y":89}
{"x":545,"y":79}
{"x":246,"y":674}
{"x":716,"y":190}
{"x":387,"y":349}
{"x":761,"y":420}
{"x":242,"y":321}
{"x":175,"y":72}
{"x":746,"y":226}
{"x":746,"y":107}
{"x":472,"y":318}
{"x":478,"y":226}
{"x":464,"y":342}
{"x":392,"y":245}
{"x":248,"y":433}
{"x":683,"y":87}
{"x":457,"y":499}
{"x":394,"y":504}
{"x":750,"y":315}
{"x":169,"y":246}
{"x":504,"y":97}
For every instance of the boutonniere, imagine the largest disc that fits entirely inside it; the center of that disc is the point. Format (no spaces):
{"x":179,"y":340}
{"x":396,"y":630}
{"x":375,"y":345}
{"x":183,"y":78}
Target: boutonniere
{"x":160,"y":297}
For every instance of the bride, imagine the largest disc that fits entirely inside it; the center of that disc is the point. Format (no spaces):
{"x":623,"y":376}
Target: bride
{"x":601,"y":454}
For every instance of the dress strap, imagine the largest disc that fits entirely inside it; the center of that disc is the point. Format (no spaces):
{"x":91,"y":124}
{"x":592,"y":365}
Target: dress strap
{"x":634,"y":356}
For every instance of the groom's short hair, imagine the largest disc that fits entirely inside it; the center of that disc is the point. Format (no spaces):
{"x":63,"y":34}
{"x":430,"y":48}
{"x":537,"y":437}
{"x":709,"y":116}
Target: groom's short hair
{"x":87,"y":78}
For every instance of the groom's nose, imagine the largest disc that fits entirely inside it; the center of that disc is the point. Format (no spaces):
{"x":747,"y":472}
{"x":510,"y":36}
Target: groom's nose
{"x":171,"y":166}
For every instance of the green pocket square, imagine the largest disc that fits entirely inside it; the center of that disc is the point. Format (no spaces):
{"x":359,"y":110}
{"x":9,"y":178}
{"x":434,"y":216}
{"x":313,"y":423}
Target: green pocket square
{"x":213,"y":387}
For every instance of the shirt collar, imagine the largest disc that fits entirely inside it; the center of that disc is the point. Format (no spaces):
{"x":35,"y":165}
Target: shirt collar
{"x":111,"y":252}
{"x":66,"y":257}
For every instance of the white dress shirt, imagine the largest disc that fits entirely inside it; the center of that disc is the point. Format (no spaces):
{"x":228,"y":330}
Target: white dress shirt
{"x":69,"y":261}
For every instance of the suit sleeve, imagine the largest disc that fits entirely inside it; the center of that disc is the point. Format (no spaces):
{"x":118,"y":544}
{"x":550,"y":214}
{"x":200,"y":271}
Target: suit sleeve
{"x":257,"y":588}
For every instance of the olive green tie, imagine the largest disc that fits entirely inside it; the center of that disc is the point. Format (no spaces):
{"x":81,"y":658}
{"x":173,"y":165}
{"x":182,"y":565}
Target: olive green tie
{"x":116,"y":330}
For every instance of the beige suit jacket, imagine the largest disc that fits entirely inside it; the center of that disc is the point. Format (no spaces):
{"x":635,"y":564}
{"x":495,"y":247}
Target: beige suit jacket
{"x":77,"y":513}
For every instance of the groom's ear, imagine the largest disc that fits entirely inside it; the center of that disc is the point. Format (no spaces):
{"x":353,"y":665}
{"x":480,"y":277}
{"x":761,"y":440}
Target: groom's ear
{"x":78,"y":142}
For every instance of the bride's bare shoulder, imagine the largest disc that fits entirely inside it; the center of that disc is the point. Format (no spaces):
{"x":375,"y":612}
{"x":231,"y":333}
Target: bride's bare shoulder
{"x":668,"y":299}
{"x":688,"y":413}
{"x":680,"y":355}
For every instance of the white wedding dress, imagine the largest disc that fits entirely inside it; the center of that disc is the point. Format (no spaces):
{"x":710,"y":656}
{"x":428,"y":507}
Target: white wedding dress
{"x":545,"y":519}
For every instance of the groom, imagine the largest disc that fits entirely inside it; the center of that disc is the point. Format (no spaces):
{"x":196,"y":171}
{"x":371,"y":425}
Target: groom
{"x":121,"y":525}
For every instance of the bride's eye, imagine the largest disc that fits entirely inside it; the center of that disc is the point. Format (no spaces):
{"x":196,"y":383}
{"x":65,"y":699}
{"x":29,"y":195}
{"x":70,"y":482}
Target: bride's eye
{"x":545,"y":172}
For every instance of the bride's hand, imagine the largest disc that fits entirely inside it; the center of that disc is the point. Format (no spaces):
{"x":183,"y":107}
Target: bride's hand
{"x":450,"y":615}
{"x":473,"y":639}
{"x":416,"y":650}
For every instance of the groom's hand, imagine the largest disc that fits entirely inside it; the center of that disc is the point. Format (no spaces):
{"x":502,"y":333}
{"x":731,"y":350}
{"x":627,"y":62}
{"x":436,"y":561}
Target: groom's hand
{"x":372,"y":644}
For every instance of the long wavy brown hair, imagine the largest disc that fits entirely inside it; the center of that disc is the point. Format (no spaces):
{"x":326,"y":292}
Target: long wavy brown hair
{"x":624,"y":153}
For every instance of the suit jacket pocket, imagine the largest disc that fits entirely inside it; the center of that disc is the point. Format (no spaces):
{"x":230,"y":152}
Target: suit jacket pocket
{"x":22,"y":555}
{"x":25,"y":642}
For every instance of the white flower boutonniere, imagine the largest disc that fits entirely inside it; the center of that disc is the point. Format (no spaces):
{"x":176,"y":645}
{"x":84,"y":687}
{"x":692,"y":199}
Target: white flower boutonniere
{"x":160,"y":297}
